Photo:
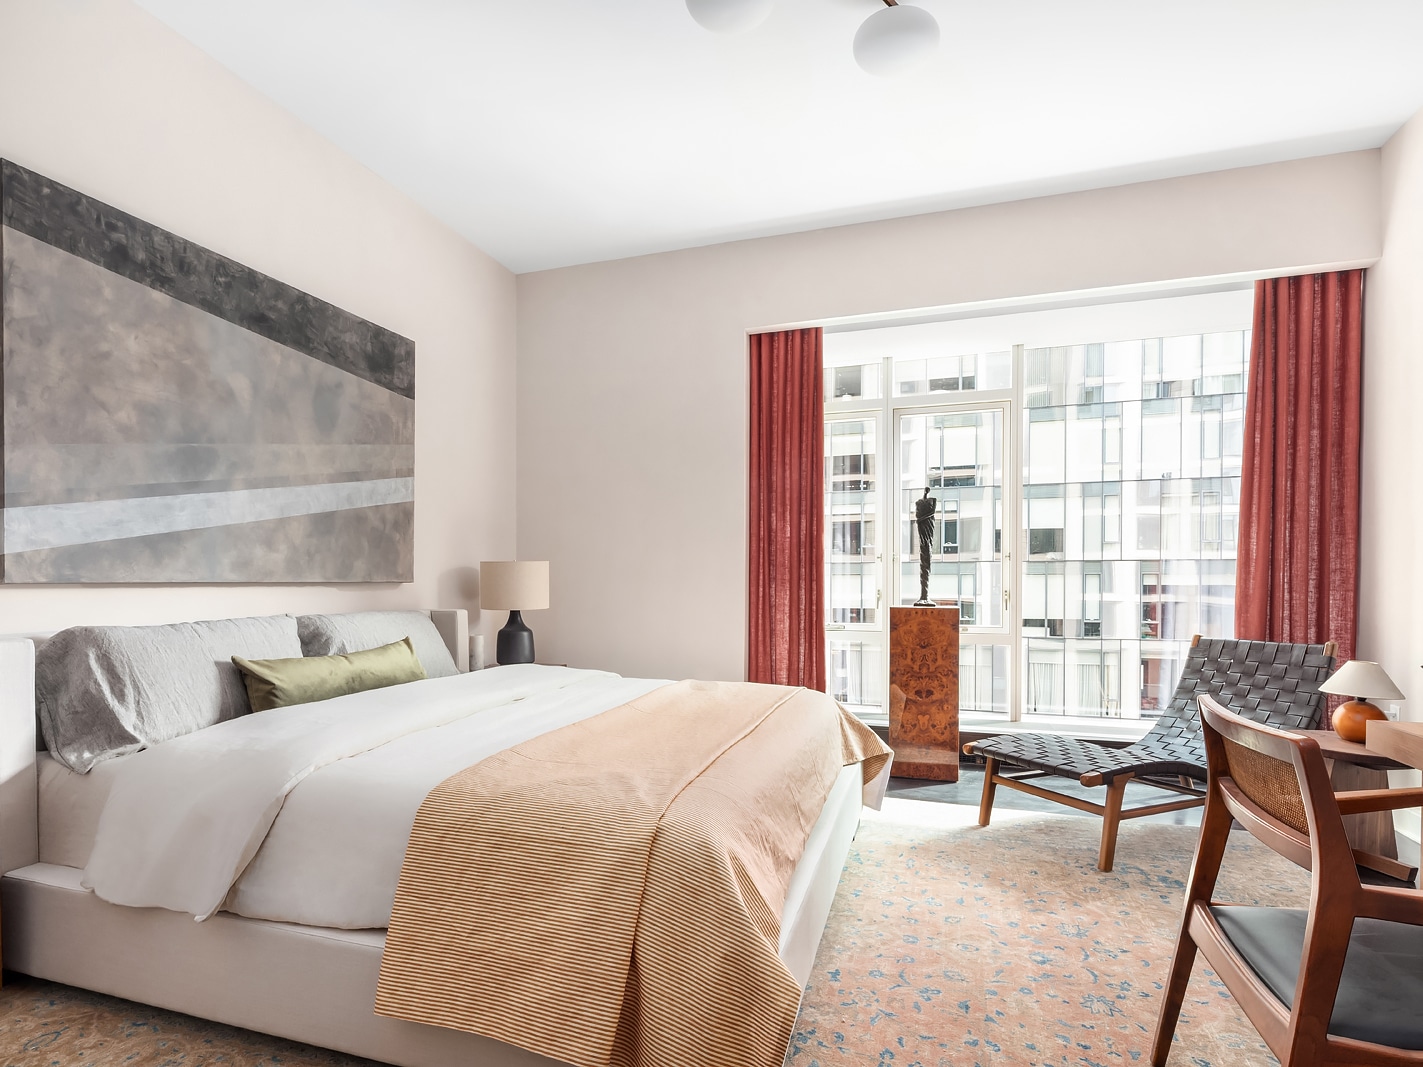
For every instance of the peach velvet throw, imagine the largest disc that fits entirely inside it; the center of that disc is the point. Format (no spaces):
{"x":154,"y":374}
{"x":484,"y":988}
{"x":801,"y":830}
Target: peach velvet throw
{"x":610,"y":892}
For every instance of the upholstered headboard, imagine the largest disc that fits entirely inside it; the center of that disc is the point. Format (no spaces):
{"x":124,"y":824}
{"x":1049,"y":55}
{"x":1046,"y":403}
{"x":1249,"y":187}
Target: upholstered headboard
{"x":453,"y":625}
{"x":19,"y":786}
{"x":19,"y":783}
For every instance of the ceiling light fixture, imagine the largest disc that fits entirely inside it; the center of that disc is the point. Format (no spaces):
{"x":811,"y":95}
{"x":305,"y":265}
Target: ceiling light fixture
{"x":895,"y":39}
{"x":729,"y":16}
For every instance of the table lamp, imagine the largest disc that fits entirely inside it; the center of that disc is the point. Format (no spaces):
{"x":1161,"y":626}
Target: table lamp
{"x":1360,"y":679}
{"x":514,"y":586}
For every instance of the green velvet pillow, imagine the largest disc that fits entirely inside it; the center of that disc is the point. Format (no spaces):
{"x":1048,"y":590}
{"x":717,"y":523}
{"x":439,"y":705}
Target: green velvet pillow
{"x":276,"y":683}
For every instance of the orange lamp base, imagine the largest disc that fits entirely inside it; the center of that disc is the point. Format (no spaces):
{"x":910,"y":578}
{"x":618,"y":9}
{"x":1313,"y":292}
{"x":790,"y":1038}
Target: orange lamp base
{"x":1351,"y":719}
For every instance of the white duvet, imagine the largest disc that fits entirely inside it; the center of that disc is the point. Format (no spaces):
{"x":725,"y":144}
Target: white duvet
{"x":301,"y":814}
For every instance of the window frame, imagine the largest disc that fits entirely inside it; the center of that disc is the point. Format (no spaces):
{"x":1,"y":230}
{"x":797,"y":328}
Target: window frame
{"x":888,"y":410}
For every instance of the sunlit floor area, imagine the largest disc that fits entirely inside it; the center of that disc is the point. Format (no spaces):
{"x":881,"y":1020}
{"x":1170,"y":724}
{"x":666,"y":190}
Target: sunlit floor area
{"x":969,"y":788}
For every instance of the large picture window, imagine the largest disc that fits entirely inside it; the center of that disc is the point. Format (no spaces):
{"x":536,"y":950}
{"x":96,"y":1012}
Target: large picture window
{"x":1086,"y":468}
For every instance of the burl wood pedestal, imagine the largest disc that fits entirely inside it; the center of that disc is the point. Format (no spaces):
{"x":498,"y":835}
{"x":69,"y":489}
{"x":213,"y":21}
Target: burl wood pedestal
{"x":924,"y":692}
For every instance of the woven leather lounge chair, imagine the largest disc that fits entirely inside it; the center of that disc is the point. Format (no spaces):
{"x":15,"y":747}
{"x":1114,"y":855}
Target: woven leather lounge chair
{"x":1277,"y":684}
{"x":1337,"y":984}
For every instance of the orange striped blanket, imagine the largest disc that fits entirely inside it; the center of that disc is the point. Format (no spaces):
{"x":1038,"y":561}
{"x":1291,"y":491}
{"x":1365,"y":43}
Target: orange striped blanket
{"x":610,"y":892}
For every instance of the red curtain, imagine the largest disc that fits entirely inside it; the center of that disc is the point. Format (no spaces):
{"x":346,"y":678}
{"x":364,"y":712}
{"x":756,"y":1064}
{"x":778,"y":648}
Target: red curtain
{"x":1297,"y":569}
{"x":786,"y":605}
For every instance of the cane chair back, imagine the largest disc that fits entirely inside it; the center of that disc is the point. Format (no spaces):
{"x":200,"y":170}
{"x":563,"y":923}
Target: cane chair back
{"x":1270,"y":782}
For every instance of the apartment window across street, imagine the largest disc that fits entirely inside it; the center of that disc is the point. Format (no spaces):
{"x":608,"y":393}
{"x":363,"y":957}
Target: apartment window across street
{"x":1086,"y":467}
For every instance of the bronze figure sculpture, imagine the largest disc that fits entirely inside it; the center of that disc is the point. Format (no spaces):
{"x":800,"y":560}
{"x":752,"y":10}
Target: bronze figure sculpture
{"x":924,"y":509}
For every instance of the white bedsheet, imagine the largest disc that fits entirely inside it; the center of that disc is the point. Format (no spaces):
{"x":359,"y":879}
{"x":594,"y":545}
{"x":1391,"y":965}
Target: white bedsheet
{"x":333,"y":856}
{"x":302,"y":814}
{"x":185,"y":818}
{"x":70,"y":806}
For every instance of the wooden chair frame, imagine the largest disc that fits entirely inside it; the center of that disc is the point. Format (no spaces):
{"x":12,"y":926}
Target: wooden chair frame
{"x":1297,"y":1036}
{"x":1111,"y":810}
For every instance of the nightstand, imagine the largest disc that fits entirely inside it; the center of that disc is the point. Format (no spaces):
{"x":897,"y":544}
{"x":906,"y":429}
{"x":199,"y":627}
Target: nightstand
{"x":1353,"y":766}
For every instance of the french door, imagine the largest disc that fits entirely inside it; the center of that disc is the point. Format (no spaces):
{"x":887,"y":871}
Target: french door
{"x":959,"y":453}
{"x":878,"y":465}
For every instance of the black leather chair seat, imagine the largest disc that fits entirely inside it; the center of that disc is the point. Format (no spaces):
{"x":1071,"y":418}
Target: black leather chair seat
{"x":1382,"y":985}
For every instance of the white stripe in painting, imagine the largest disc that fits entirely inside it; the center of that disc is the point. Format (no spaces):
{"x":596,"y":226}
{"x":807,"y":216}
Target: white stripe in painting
{"x":38,"y":526}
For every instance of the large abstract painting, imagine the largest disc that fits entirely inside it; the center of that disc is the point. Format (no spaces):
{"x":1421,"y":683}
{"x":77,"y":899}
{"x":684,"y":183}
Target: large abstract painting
{"x":170,"y":415}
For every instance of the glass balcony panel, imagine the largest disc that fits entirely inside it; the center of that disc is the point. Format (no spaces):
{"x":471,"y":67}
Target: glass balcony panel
{"x":1046,"y":446}
{"x":983,"y":679}
{"x":1160,"y":438}
{"x":1121,"y":370}
{"x":1223,"y":362}
{"x":1086,"y":436}
{"x":854,"y":670}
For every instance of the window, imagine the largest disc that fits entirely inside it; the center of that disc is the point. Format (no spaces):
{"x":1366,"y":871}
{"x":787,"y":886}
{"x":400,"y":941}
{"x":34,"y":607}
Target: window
{"x":855,"y":654}
{"x":953,"y":374}
{"x":1105,"y":441}
{"x":853,"y":382}
{"x":1163,"y":447}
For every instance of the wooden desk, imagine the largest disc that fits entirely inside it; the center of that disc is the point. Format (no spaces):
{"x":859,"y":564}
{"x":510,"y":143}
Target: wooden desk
{"x":1356,"y":766}
{"x":1402,"y":741}
{"x":1360,"y":755}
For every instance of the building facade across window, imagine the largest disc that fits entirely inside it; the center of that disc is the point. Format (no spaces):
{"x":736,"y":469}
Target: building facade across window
{"x":1086,"y":468}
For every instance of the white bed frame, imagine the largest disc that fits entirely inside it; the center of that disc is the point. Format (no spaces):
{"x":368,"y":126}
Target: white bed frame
{"x":309,"y":984}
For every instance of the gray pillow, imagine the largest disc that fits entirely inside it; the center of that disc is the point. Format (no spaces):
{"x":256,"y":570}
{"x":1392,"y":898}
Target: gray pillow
{"x":357,"y":631}
{"x":104,"y":691}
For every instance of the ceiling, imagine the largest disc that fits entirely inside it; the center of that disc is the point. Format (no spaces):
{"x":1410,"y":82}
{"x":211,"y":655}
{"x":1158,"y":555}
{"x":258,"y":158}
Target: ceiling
{"x":554,"y":132}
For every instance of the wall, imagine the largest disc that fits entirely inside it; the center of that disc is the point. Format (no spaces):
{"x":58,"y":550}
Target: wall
{"x":632,"y":374}
{"x":102,"y":97}
{"x":1391,"y":578}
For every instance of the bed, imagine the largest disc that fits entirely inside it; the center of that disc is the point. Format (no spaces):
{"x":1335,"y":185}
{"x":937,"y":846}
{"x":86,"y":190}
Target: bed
{"x":304,"y":960}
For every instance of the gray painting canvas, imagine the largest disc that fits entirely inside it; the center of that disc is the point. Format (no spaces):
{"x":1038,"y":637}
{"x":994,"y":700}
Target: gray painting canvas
{"x":170,"y":415}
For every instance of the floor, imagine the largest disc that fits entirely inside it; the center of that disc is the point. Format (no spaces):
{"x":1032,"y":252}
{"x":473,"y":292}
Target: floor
{"x":969,"y":788}
{"x":948,"y":945}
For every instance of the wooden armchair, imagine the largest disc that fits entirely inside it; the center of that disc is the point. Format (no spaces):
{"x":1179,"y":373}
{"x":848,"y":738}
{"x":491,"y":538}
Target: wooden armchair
{"x":1340,"y":983}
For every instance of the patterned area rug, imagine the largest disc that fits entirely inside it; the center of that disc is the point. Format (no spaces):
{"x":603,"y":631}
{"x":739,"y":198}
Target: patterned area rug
{"x":948,"y":944}
{"x":953,"y":944}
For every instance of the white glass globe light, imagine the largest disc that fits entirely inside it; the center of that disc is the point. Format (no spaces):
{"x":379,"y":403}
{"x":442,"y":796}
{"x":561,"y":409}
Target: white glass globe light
{"x":895,"y":39}
{"x":729,"y":16}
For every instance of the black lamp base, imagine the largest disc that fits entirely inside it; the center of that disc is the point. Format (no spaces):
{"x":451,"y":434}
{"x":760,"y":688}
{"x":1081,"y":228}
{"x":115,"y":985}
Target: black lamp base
{"x":516,"y":642}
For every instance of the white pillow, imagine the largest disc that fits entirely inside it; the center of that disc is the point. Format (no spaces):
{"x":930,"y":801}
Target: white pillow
{"x":357,"y":631}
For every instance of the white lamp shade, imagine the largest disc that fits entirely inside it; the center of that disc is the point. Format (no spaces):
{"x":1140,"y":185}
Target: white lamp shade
{"x":1361,"y":678}
{"x":729,"y":16}
{"x":895,"y":39}
{"x":513,"y":585}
